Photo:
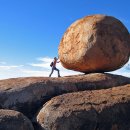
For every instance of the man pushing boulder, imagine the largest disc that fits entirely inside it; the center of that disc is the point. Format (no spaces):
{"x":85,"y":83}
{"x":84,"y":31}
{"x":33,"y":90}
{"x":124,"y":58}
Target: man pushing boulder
{"x":53,"y":65}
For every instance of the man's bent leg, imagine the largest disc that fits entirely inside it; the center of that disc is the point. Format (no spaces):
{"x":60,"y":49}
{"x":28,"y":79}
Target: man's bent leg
{"x":57,"y":71}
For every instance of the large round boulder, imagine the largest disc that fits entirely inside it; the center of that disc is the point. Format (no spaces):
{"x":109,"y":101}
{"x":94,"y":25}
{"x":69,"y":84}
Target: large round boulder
{"x":96,"y":43}
{"x":13,"y":120}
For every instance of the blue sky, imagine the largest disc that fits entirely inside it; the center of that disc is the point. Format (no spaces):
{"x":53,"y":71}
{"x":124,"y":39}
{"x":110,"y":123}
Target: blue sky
{"x":32,"y":29}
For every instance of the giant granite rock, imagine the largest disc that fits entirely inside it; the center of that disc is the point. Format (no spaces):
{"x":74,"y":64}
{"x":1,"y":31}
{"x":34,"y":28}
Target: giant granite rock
{"x":88,"y":110}
{"x":13,"y":120}
{"x":96,"y":43}
{"x":27,"y":95}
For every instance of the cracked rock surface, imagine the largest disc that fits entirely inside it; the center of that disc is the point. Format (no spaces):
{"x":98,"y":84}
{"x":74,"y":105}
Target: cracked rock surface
{"x":88,"y":110}
{"x":27,"y":95}
{"x":95,"y":43}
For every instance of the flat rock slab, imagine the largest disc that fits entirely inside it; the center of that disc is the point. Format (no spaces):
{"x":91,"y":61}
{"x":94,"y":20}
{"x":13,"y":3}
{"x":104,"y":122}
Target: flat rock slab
{"x":27,"y":95}
{"x":107,"y":109}
{"x":13,"y":120}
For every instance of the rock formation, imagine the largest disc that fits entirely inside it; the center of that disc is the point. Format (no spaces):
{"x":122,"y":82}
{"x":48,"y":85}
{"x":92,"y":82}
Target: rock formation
{"x":27,"y":95}
{"x":96,"y":101}
{"x":96,"y":43}
{"x":13,"y":120}
{"x":88,"y":110}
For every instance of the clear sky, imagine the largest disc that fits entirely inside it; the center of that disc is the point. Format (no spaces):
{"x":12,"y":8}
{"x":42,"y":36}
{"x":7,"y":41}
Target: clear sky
{"x":30,"y":29}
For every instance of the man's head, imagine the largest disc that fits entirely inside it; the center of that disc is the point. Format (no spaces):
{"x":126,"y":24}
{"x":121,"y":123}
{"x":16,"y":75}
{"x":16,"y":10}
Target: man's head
{"x":55,"y":58}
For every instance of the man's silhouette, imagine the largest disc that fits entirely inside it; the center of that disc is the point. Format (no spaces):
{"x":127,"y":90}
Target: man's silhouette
{"x":53,"y":65}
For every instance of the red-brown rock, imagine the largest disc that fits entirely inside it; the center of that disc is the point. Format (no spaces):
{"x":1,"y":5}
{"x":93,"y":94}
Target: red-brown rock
{"x":96,"y":43}
{"x":13,"y":120}
{"x":27,"y":95}
{"x":88,"y":110}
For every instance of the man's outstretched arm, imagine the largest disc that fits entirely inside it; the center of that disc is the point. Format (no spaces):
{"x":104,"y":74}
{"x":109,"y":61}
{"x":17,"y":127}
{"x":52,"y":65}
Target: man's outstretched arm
{"x":58,"y":61}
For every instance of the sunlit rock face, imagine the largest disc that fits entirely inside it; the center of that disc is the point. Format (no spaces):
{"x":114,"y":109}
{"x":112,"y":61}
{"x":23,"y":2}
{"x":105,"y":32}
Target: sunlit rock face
{"x":96,"y":43}
{"x":106,"y":109}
